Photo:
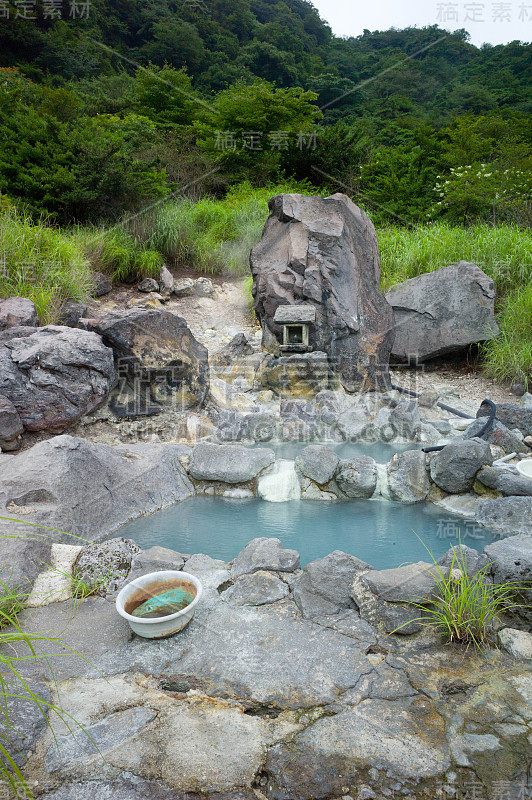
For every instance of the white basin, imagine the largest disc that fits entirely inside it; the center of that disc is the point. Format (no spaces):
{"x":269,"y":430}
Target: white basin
{"x":152,"y":584}
{"x":525,"y":468}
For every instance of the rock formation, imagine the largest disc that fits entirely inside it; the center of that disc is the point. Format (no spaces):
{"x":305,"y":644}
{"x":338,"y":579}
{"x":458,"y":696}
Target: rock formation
{"x":324,"y":253}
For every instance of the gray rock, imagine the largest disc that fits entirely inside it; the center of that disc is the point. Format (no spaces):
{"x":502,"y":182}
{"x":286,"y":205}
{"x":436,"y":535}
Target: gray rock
{"x":453,"y":469}
{"x":461,"y":555}
{"x":18,"y":312}
{"x":55,"y":375}
{"x":166,"y":281}
{"x":157,"y":558}
{"x":261,"y":427}
{"x":382,"y":426}
{"x":204,"y":287}
{"x":127,"y":787}
{"x":512,"y":416}
{"x":505,"y":482}
{"x":352,"y":424}
{"x":324,"y":253}
{"x":408,"y":479}
{"x":324,"y":758}
{"x":229,"y":463}
{"x":301,"y":375}
{"x":100,"y":284}
{"x":148,"y":285}
{"x":517,"y":643}
{"x":259,"y":588}
{"x":324,"y":586}
{"x":357,"y":477}
{"x":84,"y":489}
{"x":11,"y":426}
{"x":26,"y":720}
{"x":232,"y":425}
{"x":267,"y":554}
{"x":405,"y":418}
{"x":441,"y":425}
{"x":318,"y":462}
{"x":183,"y":288}
{"x":498,"y":435}
{"x":413,"y":583}
{"x":158,"y":361}
{"x":508,"y":514}
{"x":71,"y":313}
{"x":103,"y":567}
{"x":511,"y":562}
{"x":225,"y":359}
{"x":442,"y":312}
{"x":526,"y":401}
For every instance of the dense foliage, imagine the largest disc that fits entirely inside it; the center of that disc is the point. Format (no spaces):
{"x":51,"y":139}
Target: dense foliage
{"x":105,"y":110}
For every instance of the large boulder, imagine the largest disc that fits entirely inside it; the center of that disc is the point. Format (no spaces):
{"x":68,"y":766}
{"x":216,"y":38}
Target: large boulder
{"x":318,"y":463}
{"x":453,"y":469}
{"x":83,"y":489}
{"x":498,"y":435}
{"x":511,"y":562}
{"x":505,"y":482}
{"x":264,"y":553}
{"x":54,"y":375}
{"x":324,"y":586}
{"x":442,"y":311}
{"x":357,"y":477}
{"x":508,"y":514}
{"x":18,"y":312}
{"x":229,"y":463}
{"x":159,"y":363}
{"x":324,"y":253}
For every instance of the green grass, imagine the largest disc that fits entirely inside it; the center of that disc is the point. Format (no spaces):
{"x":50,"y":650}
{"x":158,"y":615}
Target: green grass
{"x":504,"y":252}
{"x":117,"y":253}
{"x":41,"y":263}
{"x":211,"y":235}
{"x":464,"y":609}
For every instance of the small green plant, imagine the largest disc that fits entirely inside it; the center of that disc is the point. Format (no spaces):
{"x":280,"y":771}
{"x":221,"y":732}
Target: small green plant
{"x":11,"y":601}
{"x":463,"y":607}
{"x":82,"y":588}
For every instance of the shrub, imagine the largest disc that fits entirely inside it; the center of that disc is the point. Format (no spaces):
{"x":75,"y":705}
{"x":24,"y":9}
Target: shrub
{"x":117,"y":253}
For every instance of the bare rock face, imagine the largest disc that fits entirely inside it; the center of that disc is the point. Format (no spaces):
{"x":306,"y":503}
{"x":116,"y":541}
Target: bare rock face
{"x":324,"y":253}
{"x":54,"y":375}
{"x":442,"y":311}
{"x":158,"y":361}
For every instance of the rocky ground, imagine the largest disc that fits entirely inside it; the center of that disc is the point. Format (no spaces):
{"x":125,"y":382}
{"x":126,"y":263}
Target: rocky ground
{"x":277,"y":689}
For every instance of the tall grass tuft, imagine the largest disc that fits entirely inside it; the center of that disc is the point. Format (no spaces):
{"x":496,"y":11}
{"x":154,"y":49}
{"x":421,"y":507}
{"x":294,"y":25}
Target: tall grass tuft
{"x":509,"y":355}
{"x":211,"y":235}
{"x":117,"y":253}
{"x":41,"y":263}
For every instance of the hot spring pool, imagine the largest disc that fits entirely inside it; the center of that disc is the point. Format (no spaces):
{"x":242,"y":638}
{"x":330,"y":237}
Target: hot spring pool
{"x":377,"y":531}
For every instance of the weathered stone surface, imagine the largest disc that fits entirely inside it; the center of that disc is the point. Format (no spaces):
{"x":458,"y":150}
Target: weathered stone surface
{"x":204,"y":287}
{"x":510,"y":415}
{"x":224,"y":395}
{"x":460,"y":555}
{"x":101,"y":284}
{"x":267,"y":554}
{"x":453,"y":469}
{"x":413,"y":583}
{"x":18,"y":312}
{"x":166,"y":281}
{"x":103,"y":567}
{"x":239,"y":347}
{"x":352,"y":424}
{"x":159,"y":362}
{"x":498,"y":435}
{"x":408,"y":479}
{"x":508,"y":514}
{"x":505,"y":482}
{"x":148,"y":285}
{"x":318,"y":462}
{"x":184,"y":287}
{"x":55,"y":375}
{"x":11,"y":426}
{"x":442,"y":311}
{"x":405,"y":418}
{"x":71,"y":313}
{"x":300,"y":375}
{"x":357,"y":477}
{"x":324,"y":586}
{"x":156,"y":558}
{"x":84,"y":489}
{"x":511,"y":562}
{"x":517,"y":643}
{"x":324,"y":252}
{"x":375,"y":735}
{"x":256,"y":589}
{"x":261,"y":427}
{"x":229,"y":463}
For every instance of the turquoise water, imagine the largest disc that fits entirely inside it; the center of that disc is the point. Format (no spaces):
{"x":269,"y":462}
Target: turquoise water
{"x":377,"y":531}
